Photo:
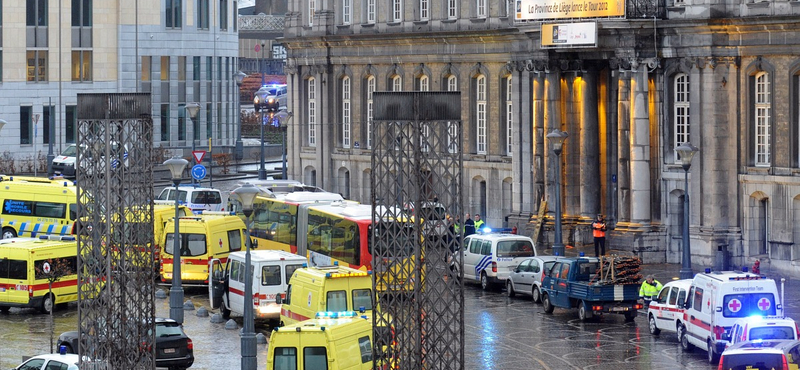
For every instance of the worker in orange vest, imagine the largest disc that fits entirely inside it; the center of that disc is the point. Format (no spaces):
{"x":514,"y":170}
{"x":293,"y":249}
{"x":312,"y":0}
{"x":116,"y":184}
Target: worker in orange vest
{"x":599,"y":232}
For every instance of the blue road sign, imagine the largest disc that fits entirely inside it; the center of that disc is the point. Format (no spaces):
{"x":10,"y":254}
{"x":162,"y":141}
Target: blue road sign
{"x":198,"y":172}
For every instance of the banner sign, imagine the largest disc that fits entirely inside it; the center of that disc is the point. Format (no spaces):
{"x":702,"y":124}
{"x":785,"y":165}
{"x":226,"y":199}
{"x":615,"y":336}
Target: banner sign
{"x":569,"y":34}
{"x":569,"y":9}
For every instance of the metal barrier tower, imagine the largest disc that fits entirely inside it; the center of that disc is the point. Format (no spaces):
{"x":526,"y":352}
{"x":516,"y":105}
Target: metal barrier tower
{"x":416,"y":196}
{"x":116,"y":268}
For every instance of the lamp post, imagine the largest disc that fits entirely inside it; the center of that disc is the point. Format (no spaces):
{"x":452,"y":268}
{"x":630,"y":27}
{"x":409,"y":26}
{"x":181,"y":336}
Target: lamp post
{"x":259,"y":104}
{"x":238,"y":152}
{"x":192,"y":109}
{"x":283,"y":117}
{"x":176,"y":166}
{"x":557,"y":138}
{"x":686,"y":152}
{"x":246,"y":194}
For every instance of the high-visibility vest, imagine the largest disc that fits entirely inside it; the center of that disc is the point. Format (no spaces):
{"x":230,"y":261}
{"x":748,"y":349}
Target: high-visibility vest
{"x":597,"y":229}
{"x":648,"y":290}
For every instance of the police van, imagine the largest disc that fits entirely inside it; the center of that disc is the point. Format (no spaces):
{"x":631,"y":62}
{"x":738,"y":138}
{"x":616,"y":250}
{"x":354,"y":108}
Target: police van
{"x":326,"y":288}
{"x":27,"y":263}
{"x":202,"y":238}
{"x":198,"y":199}
{"x":271,"y":273}
{"x":490,"y":258}
{"x":716,"y":300}
{"x":36,"y":205}
{"x":332,"y":341}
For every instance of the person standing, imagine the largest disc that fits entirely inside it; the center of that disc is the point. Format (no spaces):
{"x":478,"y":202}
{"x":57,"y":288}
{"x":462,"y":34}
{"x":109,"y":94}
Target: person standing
{"x":479,"y":224}
{"x":469,"y":225}
{"x":599,"y":232}
{"x":649,"y":290}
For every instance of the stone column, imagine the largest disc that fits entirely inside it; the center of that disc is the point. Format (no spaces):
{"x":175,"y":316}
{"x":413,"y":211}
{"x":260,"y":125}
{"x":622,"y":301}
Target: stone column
{"x":640,"y":146}
{"x":539,"y":132}
{"x":589,"y":144}
{"x":293,"y":141}
{"x":623,"y":148}
{"x":571,"y":156}
{"x":523,"y":140}
{"x":552,"y":121}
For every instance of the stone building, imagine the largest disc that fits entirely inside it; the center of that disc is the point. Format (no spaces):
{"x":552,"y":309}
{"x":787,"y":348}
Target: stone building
{"x":629,"y":81}
{"x":179,"y":51}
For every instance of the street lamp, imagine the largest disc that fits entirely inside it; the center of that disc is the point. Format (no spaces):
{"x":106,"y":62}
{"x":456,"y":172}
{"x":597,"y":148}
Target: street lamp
{"x":176,"y":166}
{"x":557,"y":138}
{"x":283,"y":117}
{"x":686,"y":152}
{"x":260,"y":104}
{"x":238,"y":152}
{"x":192,"y":109}
{"x":246,"y":194}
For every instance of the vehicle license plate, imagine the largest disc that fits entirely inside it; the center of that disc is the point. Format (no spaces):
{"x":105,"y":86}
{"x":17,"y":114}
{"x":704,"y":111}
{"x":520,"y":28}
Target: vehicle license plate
{"x":169,"y":350}
{"x":619,"y":309}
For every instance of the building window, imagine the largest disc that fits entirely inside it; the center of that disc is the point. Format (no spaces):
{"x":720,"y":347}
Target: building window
{"x":37,"y":65}
{"x":312,"y":8}
{"x":47,"y":114}
{"x":347,"y":11}
{"x":196,"y":68}
{"x":452,"y":10}
{"x":235,"y":16}
{"x":25,"y":121}
{"x":480,"y":8}
{"x":36,"y":13}
{"x":762,"y":119}
{"x":165,"y":69}
{"x":370,"y":90}
{"x":202,"y":14}
{"x":452,"y":133}
{"x":71,"y":124}
{"x":81,"y":40}
{"x":371,"y":11}
{"x":397,"y":10}
{"x":223,"y":15}
{"x":424,"y":83}
{"x":509,"y":117}
{"x":81,"y":65}
{"x":397,"y":83}
{"x":173,"y":13}
{"x":164,"y":122}
{"x":312,"y":112}
{"x":181,"y":121}
{"x":480,"y":113}
{"x":346,"y":112}
{"x":681,"y":111}
{"x":424,"y":10}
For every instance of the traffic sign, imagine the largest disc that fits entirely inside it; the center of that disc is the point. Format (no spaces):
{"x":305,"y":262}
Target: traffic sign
{"x":198,"y":155}
{"x":198,"y":172}
{"x":258,"y":48}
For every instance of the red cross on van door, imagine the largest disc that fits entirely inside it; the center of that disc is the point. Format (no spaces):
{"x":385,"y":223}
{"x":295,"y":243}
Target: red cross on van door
{"x":764,"y":304}
{"x":734,"y":305}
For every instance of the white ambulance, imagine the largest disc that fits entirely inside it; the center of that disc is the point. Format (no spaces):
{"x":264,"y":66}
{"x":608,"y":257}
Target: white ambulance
{"x":271,"y":273}
{"x":716,"y":300}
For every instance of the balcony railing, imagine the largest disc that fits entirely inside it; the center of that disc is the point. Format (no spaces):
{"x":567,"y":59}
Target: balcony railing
{"x":261,"y":22}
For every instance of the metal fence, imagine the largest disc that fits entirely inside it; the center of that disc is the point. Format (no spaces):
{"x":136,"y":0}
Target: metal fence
{"x":116,"y":265}
{"x":416,"y":195}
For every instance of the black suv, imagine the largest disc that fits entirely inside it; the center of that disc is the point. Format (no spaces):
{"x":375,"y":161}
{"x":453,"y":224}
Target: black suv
{"x":174,"y":349}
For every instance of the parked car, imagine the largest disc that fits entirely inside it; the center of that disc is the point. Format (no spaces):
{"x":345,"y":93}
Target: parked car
{"x":761,"y":355}
{"x":174,"y":349}
{"x":763,"y":327}
{"x":52,"y":361}
{"x":527,"y":277}
{"x":666,"y":311}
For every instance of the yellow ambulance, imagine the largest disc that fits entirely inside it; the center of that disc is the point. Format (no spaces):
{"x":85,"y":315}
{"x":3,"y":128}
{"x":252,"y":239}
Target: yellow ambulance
{"x":326,"y":288}
{"x":332,"y":341}
{"x":26,"y":263}
{"x":203,"y":237}
{"x":34,"y":205}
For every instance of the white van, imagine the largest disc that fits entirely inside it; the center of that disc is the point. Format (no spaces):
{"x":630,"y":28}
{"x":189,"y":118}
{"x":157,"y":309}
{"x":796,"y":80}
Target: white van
{"x":716,"y":300}
{"x":271,"y":273}
{"x":490,"y":258}
{"x":196,"y":198}
{"x":666,"y":311}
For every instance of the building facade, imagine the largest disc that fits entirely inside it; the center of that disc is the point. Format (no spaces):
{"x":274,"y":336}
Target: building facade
{"x":179,"y":51}
{"x":724,"y":76}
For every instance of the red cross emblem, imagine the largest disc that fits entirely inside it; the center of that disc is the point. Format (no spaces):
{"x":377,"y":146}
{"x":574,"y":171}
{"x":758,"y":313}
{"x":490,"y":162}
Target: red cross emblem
{"x":734,"y":305}
{"x":764,"y":304}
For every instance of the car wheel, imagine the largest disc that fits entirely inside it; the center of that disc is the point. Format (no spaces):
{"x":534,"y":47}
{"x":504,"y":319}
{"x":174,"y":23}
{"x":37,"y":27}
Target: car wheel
{"x":652,"y":325}
{"x":583,"y":313}
{"x":536,"y":294}
{"x":510,"y":288}
{"x":485,"y":281}
{"x":683,"y":339}
{"x":47,"y":303}
{"x":630,"y":315}
{"x":547,"y":305}
{"x":9,"y":233}
{"x":713,"y":357}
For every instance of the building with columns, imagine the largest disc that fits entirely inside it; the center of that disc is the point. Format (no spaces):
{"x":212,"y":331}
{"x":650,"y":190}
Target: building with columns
{"x":629,"y":83}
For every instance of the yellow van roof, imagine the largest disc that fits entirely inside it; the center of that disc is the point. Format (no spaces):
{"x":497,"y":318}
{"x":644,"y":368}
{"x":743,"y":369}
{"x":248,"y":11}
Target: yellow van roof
{"x":334,"y":271}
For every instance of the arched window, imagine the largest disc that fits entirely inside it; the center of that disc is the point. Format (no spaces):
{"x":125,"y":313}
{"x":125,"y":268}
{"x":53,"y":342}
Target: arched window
{"x":397,"y":83}
{"x":312,"y":8}
{"x":452,"y":137}
{"x":346,"y":112}
{"x":480,"y":8}
{"x":371,"y":11}
{"x":424,"y":83}
{"x":347,"y":12}
{"x":680,"y":112}
{"x":424,"y":10}
{"x":762,"y":119}
{"x":452,"y":9}
{"x":312,"y":112}
{"x":480,"y":113}
{"x":397,"y":10}
{"x":370,"y":90}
